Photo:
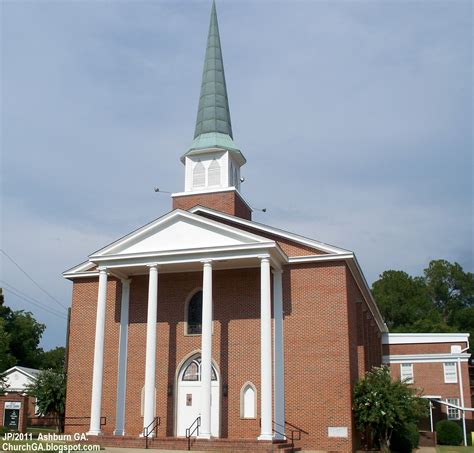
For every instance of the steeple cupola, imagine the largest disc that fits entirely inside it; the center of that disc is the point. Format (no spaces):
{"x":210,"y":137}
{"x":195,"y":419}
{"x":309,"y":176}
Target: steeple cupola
{"x":213,"y":162}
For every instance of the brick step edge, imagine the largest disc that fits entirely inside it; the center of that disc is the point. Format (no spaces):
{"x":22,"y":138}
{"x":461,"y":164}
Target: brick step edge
{"x":228,"y":445}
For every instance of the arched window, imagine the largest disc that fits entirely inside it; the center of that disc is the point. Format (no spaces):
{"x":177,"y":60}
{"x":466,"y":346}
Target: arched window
{"x":194,"y":314}
{"x":193,"y":371}
{"x":248,"y":401}
{"x":199,"y":175}
{"x":214,"y":176}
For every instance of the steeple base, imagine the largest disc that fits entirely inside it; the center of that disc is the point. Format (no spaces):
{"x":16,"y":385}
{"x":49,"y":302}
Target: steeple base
{"x":228,"y":201}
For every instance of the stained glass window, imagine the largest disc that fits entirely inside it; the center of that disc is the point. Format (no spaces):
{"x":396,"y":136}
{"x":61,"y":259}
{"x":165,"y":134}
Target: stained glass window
{"x":195,"y":314}
{"x":193,"y":371}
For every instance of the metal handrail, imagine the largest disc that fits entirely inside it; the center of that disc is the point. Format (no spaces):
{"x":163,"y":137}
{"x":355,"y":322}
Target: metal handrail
{"x":152,"y":427}
{"x":190,"y":431}
{"x":291,"y":437}
{"x":292,"y":430}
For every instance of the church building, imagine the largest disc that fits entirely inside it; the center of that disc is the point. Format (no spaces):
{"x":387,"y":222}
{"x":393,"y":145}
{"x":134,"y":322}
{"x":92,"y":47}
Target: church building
{"x":208,"y":324}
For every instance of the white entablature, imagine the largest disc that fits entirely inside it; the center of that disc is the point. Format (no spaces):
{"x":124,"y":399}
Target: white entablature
{"x":180,"y":241}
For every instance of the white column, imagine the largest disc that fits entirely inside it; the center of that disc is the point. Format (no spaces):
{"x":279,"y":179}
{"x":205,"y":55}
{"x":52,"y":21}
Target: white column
{"x":98,"y":371}
{"x":461,"y":395}
{"x":150,"y":359}
{"x":206,"y":351}
{"x":266,"y":432}
{"x":122,"y":360}
{"x":431,"y":416}
{"x":278,"y":355}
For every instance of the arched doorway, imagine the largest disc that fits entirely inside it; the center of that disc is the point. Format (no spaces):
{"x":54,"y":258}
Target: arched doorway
{"x":188,"y":405}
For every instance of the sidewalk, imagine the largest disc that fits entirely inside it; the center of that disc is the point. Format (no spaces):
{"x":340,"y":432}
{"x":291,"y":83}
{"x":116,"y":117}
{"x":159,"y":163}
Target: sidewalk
{"x":142,"y":450}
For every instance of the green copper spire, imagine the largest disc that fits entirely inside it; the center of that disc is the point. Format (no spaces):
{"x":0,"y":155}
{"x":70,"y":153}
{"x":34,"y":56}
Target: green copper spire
{"x":213,"y":125}
{"x":213,"y":112}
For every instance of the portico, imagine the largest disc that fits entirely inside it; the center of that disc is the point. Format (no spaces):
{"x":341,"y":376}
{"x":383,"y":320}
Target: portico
{"x":235,"y":249}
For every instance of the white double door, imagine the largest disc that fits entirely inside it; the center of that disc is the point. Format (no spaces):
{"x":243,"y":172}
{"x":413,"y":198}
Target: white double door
{"x":189,"y":406}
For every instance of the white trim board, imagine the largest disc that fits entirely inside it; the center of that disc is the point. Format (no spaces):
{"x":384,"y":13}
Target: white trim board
{"x":175,"y":216}
{"x":268,"y":229}
{"x":417,"y":338}
{"x":211,"y":190}
{"x":425,"y":358}
{"x":315,"y":258}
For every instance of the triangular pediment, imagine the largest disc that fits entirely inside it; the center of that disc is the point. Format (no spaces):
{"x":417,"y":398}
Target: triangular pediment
{"x":179,"y":230}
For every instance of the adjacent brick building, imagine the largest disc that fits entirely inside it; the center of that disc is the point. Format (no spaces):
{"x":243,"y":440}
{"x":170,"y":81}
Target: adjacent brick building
{"x":204,"y":316}
{"x":436,"y":364}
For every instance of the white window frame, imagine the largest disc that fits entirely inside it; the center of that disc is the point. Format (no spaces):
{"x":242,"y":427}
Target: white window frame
{"x":406,"y":373}
{"x":448,"y":376}
{"x":452,"y":412}
{"x":248,"y":385}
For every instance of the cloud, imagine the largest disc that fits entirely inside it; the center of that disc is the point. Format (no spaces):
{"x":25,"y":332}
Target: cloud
{"x":355,"y":118}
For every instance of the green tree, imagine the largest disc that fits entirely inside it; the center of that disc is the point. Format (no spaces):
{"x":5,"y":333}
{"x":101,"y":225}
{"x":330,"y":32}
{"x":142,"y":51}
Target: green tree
{"x":25,"y":335}
{"x":404,"y":300}
{"x":449,"y":287}
{"x":3,"y":383}
{"x":53,"y":359}
{"x":20,"y":335}
{"x":49,"y":388}
{"x":382,"y":405}
{"x":6,"y":358}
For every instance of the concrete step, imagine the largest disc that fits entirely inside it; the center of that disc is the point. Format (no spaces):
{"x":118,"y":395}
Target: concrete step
{"x":176,"y":443}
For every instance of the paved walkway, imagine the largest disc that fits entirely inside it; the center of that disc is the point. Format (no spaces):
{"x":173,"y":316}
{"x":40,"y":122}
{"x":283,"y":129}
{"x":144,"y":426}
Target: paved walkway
{"x":141,"y":450}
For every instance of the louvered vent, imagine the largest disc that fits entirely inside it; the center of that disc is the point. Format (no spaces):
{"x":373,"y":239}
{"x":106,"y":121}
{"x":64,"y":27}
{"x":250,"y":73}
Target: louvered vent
{"x":199,"y":175}
{"x":214,"y":176}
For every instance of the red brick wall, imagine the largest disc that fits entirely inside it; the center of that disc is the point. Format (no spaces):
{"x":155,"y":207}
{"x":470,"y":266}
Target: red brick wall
{"x":291,"y":248}
{"x":429,"y":377}
{"x":81,"y":352}
{"x":320,"y":326}
{"x":23,"y":411}
{"x":229,"y":202}
{"x":422,"y":348}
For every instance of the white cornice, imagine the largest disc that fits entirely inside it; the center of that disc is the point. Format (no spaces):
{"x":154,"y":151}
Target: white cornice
{"x":176,"y":214}
{"x":316,"y":258}
{"x":211,"y":190}
{"x":410,"y":338}
{"x":70,"y":275}
{"x":364,"y":288}
{"x":183,"y":253}
{"x":275,"y":231}
{"x":83,"y":267}
{"x":425,"y":358}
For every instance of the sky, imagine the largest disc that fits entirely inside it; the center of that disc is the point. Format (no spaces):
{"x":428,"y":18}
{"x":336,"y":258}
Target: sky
{"x":355,"y":118}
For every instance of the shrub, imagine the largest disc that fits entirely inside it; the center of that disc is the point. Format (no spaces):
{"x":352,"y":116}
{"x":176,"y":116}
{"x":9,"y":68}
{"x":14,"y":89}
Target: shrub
{"x":448,"y":433}
{"x":382,"y":405}
{"x":405,"y":439}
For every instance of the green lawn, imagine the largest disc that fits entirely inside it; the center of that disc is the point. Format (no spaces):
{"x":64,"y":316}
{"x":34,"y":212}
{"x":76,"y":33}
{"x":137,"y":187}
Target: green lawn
{"x":450,"y":449}
{"x":4,"y":444}
{"x":42,"y":430}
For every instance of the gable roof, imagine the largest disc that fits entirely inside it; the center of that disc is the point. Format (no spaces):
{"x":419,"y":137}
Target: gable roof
{"x":30,"y":372}
{"x":178,"y":230}
{"x":327,"y":248}
{"x":178,"y":236}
